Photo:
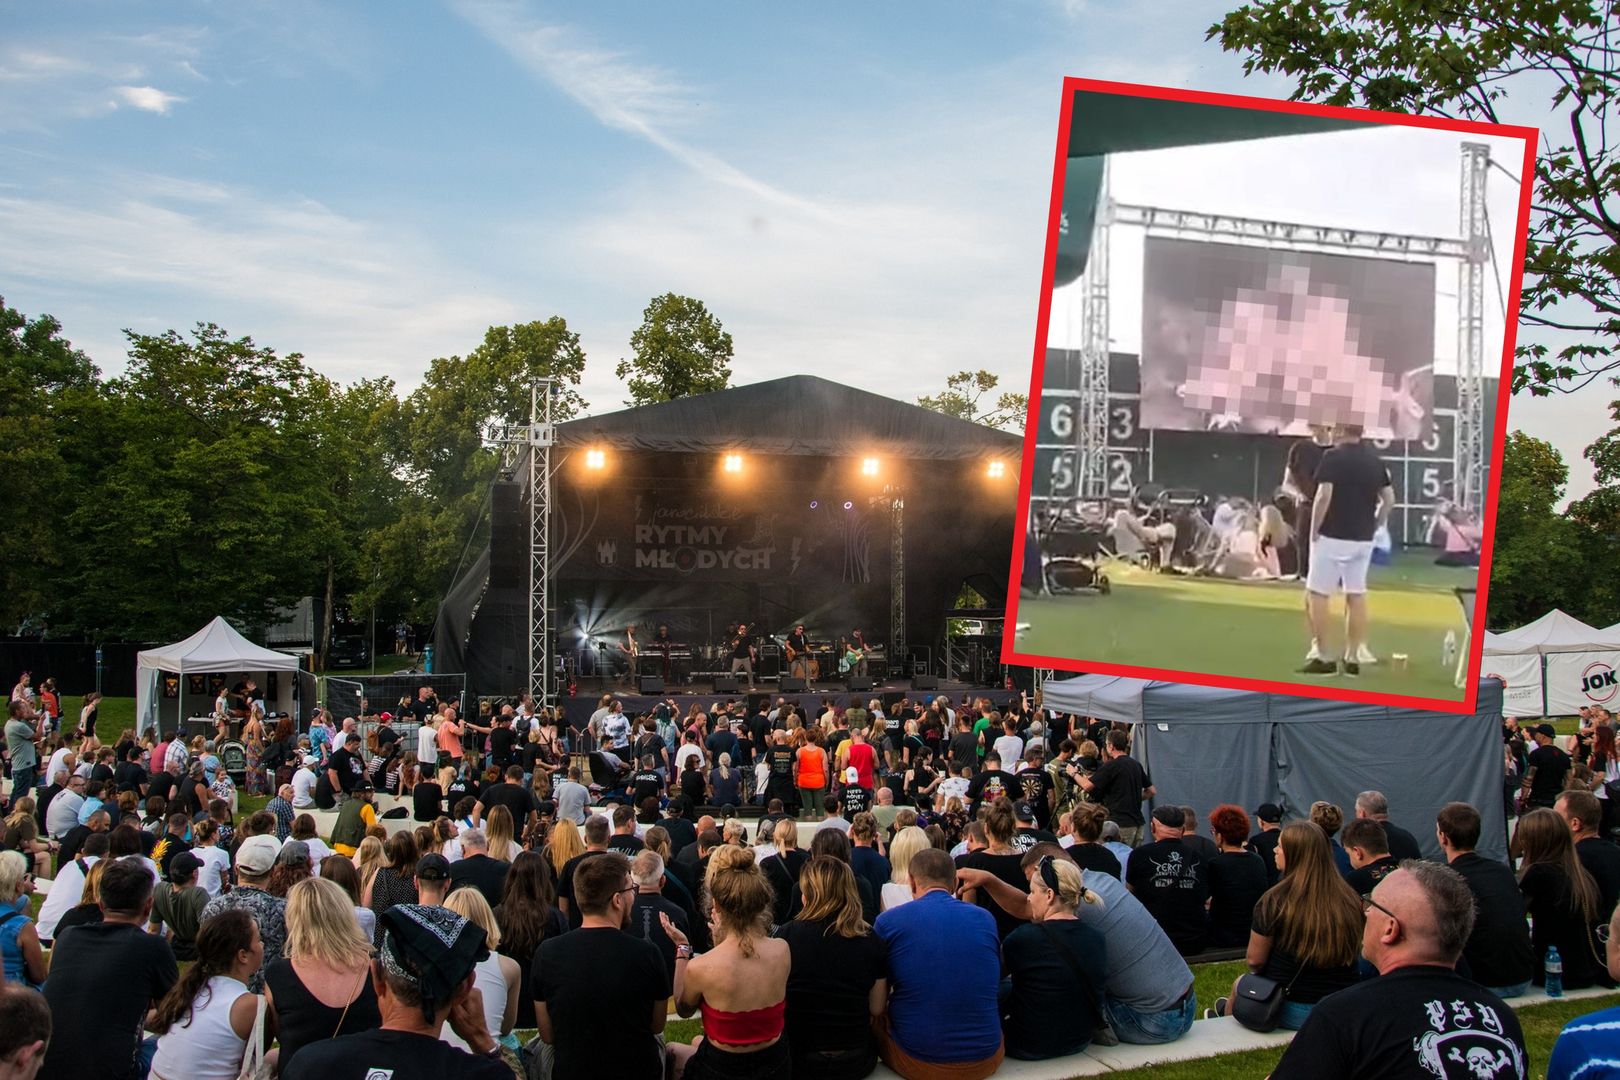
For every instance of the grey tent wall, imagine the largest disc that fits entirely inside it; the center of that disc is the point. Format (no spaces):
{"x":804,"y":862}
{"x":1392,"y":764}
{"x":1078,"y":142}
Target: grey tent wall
{"x":1204,"y":765}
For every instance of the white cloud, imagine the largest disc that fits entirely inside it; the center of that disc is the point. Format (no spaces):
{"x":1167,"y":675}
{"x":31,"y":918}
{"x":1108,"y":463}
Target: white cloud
{"x":146,"y":98}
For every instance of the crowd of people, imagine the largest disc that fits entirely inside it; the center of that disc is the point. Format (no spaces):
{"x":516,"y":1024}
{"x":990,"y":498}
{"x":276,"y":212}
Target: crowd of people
{"x":939,"y":886}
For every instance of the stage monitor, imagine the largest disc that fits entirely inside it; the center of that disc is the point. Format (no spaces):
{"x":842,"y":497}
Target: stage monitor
{"x":1268,"y":341}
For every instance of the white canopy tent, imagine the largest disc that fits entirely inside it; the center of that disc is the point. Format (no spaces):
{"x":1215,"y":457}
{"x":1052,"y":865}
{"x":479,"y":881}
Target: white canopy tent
{"x":1554,"y":665}
{"x":161,"y":674}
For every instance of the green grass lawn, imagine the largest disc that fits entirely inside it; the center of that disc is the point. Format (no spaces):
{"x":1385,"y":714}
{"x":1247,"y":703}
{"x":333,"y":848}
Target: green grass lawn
{"x":1253,"y":630}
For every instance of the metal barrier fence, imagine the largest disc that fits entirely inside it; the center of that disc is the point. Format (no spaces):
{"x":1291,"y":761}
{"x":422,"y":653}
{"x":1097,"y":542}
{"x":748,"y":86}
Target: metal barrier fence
{"x":352,"y":695}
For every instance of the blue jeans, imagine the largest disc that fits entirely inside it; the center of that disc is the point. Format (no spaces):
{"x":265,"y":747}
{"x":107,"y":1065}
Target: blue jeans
{"x":1507,"y":992}
{"x":22,"y":782}
{"x":1293,"y":1015}
{"x":1149,"y":1028}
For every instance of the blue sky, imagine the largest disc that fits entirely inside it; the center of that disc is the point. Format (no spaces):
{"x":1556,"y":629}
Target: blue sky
{"x":857,"y":191}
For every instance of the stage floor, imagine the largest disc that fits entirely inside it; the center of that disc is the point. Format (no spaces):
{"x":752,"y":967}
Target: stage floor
{"x":1255,"y":630}
{"x":577,"y":710}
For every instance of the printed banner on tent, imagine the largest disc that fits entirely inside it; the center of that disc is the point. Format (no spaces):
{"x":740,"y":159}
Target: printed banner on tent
{"x":1575,"y":680}
{"x":1521,"y":683}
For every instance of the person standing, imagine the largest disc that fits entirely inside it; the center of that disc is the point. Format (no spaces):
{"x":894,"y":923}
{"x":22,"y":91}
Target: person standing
{"x":743,"y":653}
{"x":1120,"y":784}
{"x":1354,"y":495}
{"x":1299,"y":480}
{"x":122,"y":969}
{"x":1544,"y":770}
{"x":22,"y":728}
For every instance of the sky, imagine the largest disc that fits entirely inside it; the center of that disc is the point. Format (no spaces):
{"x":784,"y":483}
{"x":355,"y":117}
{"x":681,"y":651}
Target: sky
{"x":856,"y":191}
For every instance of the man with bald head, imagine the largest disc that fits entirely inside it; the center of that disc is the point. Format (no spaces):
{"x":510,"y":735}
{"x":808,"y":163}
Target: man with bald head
{"x":1419,"y":1018}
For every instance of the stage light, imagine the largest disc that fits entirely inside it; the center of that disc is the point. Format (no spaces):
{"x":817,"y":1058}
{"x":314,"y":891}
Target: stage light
{"x":733,"y":463}
{"x":996,"y":470}
{"x":596,"y":459}
{"x":869,"y":466}
{"x":849,"y":505}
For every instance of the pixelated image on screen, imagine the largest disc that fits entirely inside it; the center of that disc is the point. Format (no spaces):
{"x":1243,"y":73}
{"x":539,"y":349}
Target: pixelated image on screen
{"x":1262,"y":340}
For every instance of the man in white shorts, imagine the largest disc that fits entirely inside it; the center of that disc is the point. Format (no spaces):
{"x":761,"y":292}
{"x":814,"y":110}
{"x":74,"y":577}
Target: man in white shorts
{"x":1353,"y":499}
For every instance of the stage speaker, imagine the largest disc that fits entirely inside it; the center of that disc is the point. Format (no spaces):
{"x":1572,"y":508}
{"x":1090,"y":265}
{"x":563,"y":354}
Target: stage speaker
{"x":725,"y":684}
{"x":925,"y":682}
{"x":860,"y":682}
{"x":793,"y":684}
{"x":651,"y":684}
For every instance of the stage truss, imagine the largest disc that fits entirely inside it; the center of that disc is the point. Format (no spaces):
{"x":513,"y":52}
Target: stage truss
{"x":1472,"y":252}
{"x":537,"y":438}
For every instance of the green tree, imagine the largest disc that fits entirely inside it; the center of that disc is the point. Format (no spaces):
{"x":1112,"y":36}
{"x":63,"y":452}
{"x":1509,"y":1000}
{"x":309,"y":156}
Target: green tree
{"x":1465,"y":60}
{"x":679,"y":350}
{"x":963,"y":398}
{"x":1539,"y":558}
{"x":44,"y":380}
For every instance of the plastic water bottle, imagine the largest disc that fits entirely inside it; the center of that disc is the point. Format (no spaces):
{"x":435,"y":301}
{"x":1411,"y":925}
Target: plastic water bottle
{"x":1448,"y":650}
{"x":1555,"y":973}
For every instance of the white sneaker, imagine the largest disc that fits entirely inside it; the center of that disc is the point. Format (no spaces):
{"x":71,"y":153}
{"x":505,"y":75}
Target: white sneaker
{"x":1316,"y":652}
{"x":1365,"y":655}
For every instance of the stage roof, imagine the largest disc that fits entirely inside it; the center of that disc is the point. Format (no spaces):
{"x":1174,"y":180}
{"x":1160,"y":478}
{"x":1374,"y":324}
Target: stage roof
{"x":801,"y":415}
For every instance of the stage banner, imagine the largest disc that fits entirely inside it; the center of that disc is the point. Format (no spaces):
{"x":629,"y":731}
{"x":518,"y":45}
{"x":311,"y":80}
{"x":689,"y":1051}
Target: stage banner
{"x":1577,"y":679}
{"x":676,"y":533}
{"x":1264,"y":340}
{"x":1521,"y":683}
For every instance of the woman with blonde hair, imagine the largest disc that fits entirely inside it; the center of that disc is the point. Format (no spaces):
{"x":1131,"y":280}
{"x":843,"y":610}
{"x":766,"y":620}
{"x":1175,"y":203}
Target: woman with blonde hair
{"x":368,"y":859}
{"x":24,"y":958}
{"x":499,"y":829}
{"x":1038,"y":1018}
{"x":1562,"y":899}
{"x":88,"y":909}
{"x":782,"y":870}
{"x":1084,"y":840}
{"x":21,"y":834}
{"x":1329,"y":818}
{"x":498,"y":978}
{"x":565,"y":844}
{"x":740,"y":985}
{"x":1307,"y":927}
{"x":725,"y":783}
{"x":907,"y":842}
{"x":322,"y":987}
{"x":836,"y":981}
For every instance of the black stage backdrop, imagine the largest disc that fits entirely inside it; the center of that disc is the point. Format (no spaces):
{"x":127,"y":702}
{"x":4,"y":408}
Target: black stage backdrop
{"x":663,"y":535}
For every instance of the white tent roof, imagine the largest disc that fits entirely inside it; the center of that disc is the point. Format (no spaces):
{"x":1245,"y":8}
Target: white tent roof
{"x":216,"y":647}
{"x":1554,"y":632}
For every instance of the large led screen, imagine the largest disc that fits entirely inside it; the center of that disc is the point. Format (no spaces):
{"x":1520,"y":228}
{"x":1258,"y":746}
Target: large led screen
{"x":1262,"y":340}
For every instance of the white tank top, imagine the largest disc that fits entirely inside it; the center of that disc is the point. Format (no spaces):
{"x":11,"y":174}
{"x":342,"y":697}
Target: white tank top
{"x":492,"y":984}
{"x":207,"y":1048}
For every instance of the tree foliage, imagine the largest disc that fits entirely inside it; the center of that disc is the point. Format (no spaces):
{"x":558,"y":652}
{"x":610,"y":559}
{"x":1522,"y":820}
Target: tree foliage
{"x":963,"y":398}
{"x":1465,"y":60}
{"x":680,"y":349}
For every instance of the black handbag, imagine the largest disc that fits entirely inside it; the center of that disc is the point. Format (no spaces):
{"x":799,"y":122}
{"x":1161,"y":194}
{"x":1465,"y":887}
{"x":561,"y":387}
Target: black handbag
{"x":1257,"y":1001}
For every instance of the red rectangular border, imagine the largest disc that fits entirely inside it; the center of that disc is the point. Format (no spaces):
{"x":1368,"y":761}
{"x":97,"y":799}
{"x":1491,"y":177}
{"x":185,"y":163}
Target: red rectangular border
{"x":1010,"y":653}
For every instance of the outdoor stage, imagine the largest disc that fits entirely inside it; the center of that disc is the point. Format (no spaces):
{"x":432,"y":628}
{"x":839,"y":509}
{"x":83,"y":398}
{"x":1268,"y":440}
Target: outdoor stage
{"x":577,"y":710}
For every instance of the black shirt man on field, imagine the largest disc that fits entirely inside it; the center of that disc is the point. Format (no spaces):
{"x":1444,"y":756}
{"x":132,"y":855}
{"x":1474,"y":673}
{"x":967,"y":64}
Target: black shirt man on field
{"x":1354,"y":496}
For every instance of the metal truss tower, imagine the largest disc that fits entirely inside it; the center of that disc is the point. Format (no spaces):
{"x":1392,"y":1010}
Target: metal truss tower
{"x":897,"y":577}
{"x":1091,"y":421}
{"x":537,"y":437}
{"x":1470,"y":467}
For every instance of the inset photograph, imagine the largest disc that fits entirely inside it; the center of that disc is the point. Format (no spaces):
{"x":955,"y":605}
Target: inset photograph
{"x":1267,"y":402}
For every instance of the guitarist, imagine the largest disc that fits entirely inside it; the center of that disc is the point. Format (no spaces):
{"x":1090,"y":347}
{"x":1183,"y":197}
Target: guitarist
{"x":743,"y":653}
{"x":632,"y":652}
{"x":797,"y":647}
{"x":663,"y":643}
{"x":859,"y":648}
{"x":852,"y":657}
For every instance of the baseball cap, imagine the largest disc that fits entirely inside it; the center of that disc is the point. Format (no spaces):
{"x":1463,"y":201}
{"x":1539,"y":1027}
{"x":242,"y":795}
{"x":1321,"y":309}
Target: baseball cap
{"x":183,"y":865}
{"x":386,"y":716}
{"x":362,"y":785}
{"x":1547,"y":730}
{"x":433,"y":867}
{"x":852,"y":775}
{"x":1024,"y":811}
{"x":293,"y":851}
{"x":1270,"y":813}
{"x":258,"y":854}
{"x":1169,"y":816}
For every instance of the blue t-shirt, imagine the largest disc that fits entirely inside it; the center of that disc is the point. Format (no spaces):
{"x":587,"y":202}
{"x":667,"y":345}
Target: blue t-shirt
{"x":942,"y":1005}
{"x":1588,"y":1047}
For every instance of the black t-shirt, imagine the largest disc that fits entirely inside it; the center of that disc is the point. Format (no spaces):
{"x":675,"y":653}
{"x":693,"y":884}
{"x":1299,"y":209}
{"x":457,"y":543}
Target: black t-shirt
{"x":427,"y":801}
{"x":172,"y":845}
{"x":1264,"y":844}
{"x":1415,"y":1022}
{"x":682,"y":833}
{"x":122,"y":971}
{"x":781,"y":759}
{"x":1026,"y":838}
{"x":101,"y":773}
{"x":1237,"y":880}
{"x":575,"y":975}
{"x":1304,"y":458}
{"x":1556,"y":920}
{"x":1602,"y":861}
{"x":991,"y":784}
{"x":1172,"y":882}
{"x":162,"y":784}
{"x":1050,"y":1012}
{"x":1306,"y":986}
{"x":1098,"y":858}
{"x":625,"y":843}
{"x":1364,"y":879}
{"x":129,"y":776}
{"x":1551,"y":765}
{"x":828,"y":986}
{"x":348,"y":767}
{"x":1008,"y":869}
{"x":1033,"y":788}
{"x":964,"y":751}
{"x":1498,"y":951}
{"x":386,"y":737}
{"x":517,"y":799}
{"x":1357,"y":476}
{"x":565,"y":886}
{"x":644,"y":923}
{"x":1402,"y":844}
{"x":739,"y":647}
{"x":1119,"y":784}
{"x":396,"y":1055}
{"x":854,"y":800}
{"x":501,"y":741}
{"x":647,"y":785}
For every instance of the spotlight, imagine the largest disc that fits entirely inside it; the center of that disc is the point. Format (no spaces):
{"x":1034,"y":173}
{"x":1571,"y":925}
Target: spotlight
{"x":869,"y":466}
{"x":849,"y":505}
{"x":733,"y":463}
{"x":996,"y":470}
{"x":595,"y":459}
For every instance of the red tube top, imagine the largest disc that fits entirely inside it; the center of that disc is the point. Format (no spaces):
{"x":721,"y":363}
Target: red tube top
{"x":743,"y":1028}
